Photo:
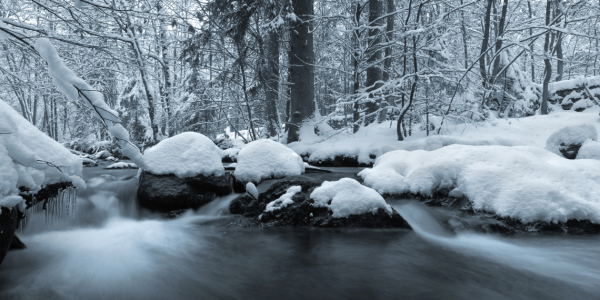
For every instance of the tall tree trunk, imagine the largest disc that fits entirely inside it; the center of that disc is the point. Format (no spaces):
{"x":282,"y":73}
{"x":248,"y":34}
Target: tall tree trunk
{"x":302,"y":58}
{"x":272,"y":81}
{"x":167,"y":92}
{"x":559,"y":51}
{"x":484,"y":43}
{"x":548,"y":66}
{"x":387,"y":63}
{"x":374,"y":73}
{"x":463,"y":29}
{"x":532,"y":44}
{"x":499,"y":39}
{"x":356,"y":74}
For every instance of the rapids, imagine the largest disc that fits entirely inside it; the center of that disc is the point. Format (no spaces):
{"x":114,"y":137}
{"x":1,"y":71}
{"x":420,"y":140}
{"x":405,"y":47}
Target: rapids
{"x":111,"y":250}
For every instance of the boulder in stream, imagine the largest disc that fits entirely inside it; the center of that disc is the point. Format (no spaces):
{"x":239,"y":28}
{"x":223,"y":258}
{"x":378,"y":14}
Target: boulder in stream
{"x":289,"y":203}
{"x":9,"y":219}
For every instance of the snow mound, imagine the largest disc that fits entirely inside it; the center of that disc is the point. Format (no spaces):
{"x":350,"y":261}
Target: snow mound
{"x":589,"y":150}
{"x":251,"y":189}
{"x":122,"y":165}
{"x":523,"y":183}
{"x":570,"y":135}
{"x":284,"y":200}
{"x":348,"y":197}
{"x":31,"y":159}
{"x":262,"y":159}
{"x":186,"y":155}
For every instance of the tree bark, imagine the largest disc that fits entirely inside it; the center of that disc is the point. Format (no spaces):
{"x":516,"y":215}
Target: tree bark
{"x":272,"y":84}
{"x":484,"y":43}
{"x":356,"y":74}
{"x":387,"y":63}
{"x":548,"y":66}
{"x":374,"y":73}
{"x":302,"y":57}
{"x":499,"y":39}
{"x":559,"y":51}
{"x":532,"y":44}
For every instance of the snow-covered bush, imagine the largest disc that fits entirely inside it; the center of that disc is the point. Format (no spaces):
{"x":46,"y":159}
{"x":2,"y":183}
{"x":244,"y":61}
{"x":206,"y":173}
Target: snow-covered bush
{"x":524,"y":183}
{"x":571,"y":135}
{"x":186,"y":155}
{"x":347,"y":197}
{"x":262,"y":159}
{"x":31,"y":159}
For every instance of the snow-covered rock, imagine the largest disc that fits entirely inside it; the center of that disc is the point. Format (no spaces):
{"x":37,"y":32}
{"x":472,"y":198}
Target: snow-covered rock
{"x":251,"y":189}
{"x":122,"y":165}
{"x":264,"y":159}
{"x":524,"y":183}
{"x":31,"y":159}
{"x":186,"y":155}
{"x":567,"y":141}
{"x":348,"y":197}
{"x":589,"y":150}
{"x":288,"y":203}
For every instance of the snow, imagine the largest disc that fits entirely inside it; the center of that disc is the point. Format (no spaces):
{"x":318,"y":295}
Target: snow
{"x":186,"y":155}
{"x":377,"y":139}
{"x":102,"y":154}
{"x":570,"y":135}
{"x":31,"y":159}
{"x":122,"y":165}
{"x":251,"y":189}
{"x":523,"y":183}
{"x":262,"y":159}
{"x":348,"y":197}
{"x":574,"y":83}
{"x":589,"y":150}
{"x":284,"y":200}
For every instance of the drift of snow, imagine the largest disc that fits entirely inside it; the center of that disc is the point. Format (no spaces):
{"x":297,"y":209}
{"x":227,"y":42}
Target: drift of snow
{"x":524,"y":183}
{"x":262,"y":159}
{"x":348,"y":197}
{"x":589,"y":150}
{"x":31,"y":159}
{"x":285,"y":199}
{"x":251,"y":189}
{"x":569,"y":135}
{"x":186,"y":155}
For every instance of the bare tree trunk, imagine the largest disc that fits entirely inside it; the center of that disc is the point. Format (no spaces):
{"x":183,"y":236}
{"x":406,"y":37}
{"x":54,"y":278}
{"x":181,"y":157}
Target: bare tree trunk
{"x":302,"y":58}
{"x":548,"y":66}
{"x":374,"y":74}
{"x":272,"y":84}
{"x":387,"y":63}
{"x":499,"y":39}
{"x":484,"y":43}
{"x":463,"y":29}
{"x":559,"y":51}
{"x":356,"y":74}
{"x":532,"y":44}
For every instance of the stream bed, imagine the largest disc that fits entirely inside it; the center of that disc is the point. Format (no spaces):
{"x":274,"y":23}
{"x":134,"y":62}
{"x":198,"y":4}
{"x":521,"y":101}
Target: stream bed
{"x":109,"y":249}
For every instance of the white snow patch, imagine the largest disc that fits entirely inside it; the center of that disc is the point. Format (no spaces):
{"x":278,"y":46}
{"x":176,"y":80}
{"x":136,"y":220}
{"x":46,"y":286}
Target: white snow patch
{"x":348,"y":197}
{"x":122,"y":165}
{"x":186,"y":155}
{"x":589,"y":150}
{"x":570,"y":135}
{"x":524,"y":183}
{"x":29,"y":158}
{"x":251,"y":189}
{"x":284,"y":200}
{"x":262,"y":159}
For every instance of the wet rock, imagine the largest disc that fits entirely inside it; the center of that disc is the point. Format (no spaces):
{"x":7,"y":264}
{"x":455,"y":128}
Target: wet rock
{"x":16,"y":244}
{"x":337,"y":161}
{"x":302,"y":213}
{"x":168,"y":192}
{"x":8,"y":224}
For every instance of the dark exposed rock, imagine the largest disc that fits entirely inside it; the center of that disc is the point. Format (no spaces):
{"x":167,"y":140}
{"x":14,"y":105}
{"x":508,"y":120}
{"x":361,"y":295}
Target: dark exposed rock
{"x":338,"y":161}
{"x":16,"y":244}
{"x":569,"y":151}
{"x":9,"y":219}
{"x":303,"y":213}
{"x":168,"y":192}
{"x":49,"y":191}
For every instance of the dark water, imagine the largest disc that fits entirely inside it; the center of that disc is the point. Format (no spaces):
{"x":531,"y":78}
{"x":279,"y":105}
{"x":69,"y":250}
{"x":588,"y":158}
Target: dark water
{"x":111,"y":251}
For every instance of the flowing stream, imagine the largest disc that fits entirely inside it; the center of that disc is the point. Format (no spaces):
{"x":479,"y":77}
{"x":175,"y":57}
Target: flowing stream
{"x":109,"y":249}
